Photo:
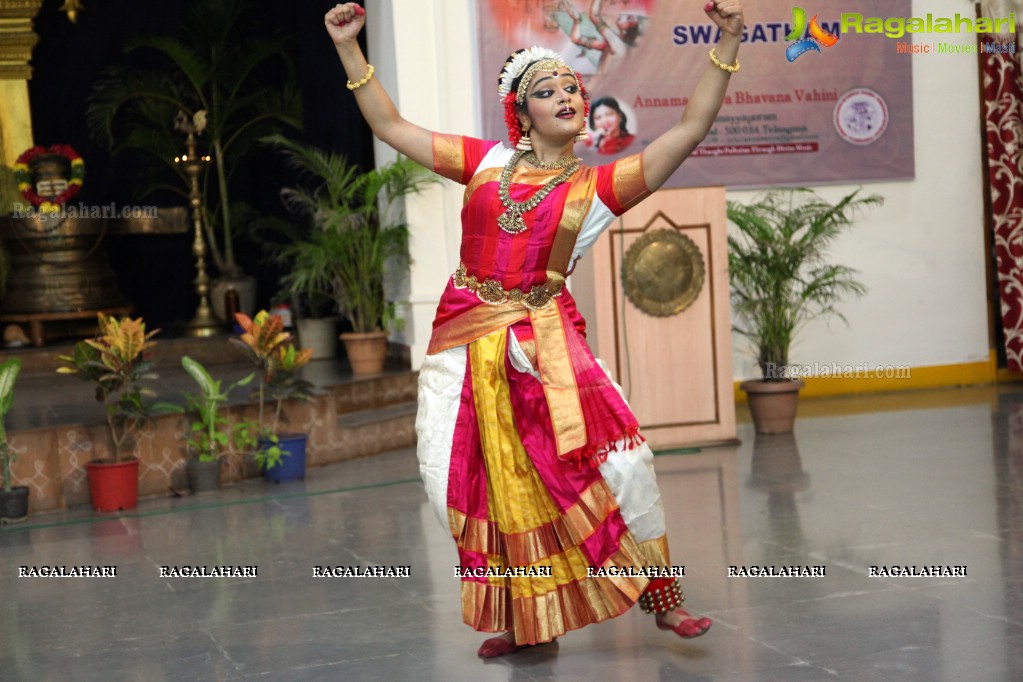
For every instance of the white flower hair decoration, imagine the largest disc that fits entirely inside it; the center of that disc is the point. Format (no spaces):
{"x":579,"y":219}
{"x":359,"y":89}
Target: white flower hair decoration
{"x":516,"y":66}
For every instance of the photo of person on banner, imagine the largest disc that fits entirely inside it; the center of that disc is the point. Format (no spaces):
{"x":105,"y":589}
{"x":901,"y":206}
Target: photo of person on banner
{"x":610,"y":126}
{"x":530,"y":456}
{"x":611,"y":41}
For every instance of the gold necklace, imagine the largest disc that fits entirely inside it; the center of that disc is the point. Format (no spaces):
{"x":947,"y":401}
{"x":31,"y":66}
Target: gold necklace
{"x":511,"y":220}
{"x":563,"y":162}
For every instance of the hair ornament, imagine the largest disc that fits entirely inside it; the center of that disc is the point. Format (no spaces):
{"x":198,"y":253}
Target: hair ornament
{"x":517,"y":65}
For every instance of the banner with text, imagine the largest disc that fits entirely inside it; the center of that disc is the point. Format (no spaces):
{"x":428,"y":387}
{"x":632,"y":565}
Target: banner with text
{"x":809,"y":105}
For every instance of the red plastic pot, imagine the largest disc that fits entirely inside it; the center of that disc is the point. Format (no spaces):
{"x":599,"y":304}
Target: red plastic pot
{"x":113,"y":485}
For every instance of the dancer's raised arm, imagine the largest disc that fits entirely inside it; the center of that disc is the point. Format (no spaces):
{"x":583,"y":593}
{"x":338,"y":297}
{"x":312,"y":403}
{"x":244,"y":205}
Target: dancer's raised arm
{"x":665,"y":154}
{"x":343,"y":24}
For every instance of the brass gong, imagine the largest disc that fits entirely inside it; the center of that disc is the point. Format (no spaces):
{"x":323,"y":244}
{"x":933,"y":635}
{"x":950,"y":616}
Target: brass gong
{"x":663,"y":272}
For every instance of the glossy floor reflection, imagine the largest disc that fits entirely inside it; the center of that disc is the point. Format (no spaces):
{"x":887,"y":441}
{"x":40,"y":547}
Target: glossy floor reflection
{"x":931,"y":479}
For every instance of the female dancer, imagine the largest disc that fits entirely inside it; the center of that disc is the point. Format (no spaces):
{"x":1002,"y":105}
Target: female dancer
{"x":529,"y":454}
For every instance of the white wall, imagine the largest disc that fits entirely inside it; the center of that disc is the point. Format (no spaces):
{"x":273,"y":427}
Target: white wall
{"x":921,"y":255}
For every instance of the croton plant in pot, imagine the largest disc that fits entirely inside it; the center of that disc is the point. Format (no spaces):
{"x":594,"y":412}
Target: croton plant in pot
{"x":118,"y":362}
{"x":277,"y":363}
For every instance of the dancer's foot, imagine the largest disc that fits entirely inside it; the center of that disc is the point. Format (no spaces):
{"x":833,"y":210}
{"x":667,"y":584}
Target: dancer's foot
{"x":682,"y":623}
{"x":499,"y":646}
{"x":502,"y":646}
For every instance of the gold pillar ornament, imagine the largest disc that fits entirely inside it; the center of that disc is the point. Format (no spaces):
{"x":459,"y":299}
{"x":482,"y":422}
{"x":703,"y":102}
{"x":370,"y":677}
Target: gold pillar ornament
{"x":17,"y":39}
{"x":16,"y":42}
{"x":71,"y":8}
{"x":203,"y":323}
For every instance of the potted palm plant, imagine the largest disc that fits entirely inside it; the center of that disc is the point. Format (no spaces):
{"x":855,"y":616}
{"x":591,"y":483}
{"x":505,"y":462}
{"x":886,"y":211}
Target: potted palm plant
{"x":216,"y":82}
{"x":13,"y":498}
{"x":277,"y":363}
{"x":357,"y":231}
{"x":780,"y":281}
{"x":117,"y":361}
{"x":211,"y":437}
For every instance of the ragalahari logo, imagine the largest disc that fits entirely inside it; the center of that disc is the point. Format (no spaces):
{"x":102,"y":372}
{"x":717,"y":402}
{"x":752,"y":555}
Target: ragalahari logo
{"x":807,"y":36}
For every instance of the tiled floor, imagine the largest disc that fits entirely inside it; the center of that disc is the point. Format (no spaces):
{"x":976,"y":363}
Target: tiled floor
{"x":933,"y":478}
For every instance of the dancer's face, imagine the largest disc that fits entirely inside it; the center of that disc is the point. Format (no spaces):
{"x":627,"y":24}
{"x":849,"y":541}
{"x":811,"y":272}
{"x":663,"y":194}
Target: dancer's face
{"x":554,"y":103}
{"x":607,"y":120}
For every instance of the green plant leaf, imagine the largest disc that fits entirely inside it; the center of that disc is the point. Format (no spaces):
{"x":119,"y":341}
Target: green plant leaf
{"x":207,"y":384}
{"x":217,"y":67}
{"x":356,"y":229}
{"x":8,"y":375}
{"x":779,"y":280}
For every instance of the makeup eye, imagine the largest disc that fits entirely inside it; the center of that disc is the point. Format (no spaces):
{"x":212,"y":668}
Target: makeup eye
{"x":572,"y":89}
{"x":543,"y":93}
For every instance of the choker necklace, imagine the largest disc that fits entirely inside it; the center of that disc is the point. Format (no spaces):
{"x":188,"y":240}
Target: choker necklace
{"x":563,"y":162}
{"x":511,"y":220}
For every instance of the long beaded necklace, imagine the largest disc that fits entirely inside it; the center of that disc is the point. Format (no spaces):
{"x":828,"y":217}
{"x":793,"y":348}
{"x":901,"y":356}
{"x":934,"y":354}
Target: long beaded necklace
{"x":511,"y":220}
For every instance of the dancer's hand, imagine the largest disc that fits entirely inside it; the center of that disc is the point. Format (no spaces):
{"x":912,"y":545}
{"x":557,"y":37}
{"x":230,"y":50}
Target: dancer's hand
{"x":344,"y":22}
{"x":727,"y":14}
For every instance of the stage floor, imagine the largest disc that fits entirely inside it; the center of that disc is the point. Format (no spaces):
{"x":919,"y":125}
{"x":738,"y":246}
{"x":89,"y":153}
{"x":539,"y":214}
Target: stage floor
{"x":931,"y":479}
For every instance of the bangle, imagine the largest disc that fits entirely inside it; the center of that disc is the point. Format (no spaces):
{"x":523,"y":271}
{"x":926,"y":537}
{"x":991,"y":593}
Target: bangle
{"x":730,"y":68}
{"x":366,"y":79}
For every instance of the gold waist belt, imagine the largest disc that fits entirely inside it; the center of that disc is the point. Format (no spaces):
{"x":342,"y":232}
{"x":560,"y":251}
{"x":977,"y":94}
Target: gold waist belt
{"x":491,"y":291}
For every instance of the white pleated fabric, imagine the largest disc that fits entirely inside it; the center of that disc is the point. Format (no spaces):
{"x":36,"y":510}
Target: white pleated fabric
{"x":440,"y":391}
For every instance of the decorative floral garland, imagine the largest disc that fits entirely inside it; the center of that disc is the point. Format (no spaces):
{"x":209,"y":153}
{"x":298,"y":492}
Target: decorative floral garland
{"x":24,"y":177}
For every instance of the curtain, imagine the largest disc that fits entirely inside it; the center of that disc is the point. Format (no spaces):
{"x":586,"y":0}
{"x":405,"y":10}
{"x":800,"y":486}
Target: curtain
{"x":1003,"y":98}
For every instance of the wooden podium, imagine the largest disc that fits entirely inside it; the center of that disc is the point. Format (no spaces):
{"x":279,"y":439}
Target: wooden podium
{"x":675,"y":369}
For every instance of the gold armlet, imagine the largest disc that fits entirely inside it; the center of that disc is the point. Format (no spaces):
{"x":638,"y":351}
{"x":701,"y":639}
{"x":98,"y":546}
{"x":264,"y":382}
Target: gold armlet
{"x":730,"y":68}
{"x":369,"y":75}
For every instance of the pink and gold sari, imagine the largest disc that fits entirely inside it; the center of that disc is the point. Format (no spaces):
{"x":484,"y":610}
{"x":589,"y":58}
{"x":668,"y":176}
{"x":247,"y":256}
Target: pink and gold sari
{"x":527,"y":448}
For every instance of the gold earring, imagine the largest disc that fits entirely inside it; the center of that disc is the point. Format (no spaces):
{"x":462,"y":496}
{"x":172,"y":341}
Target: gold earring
{"x":582,"y":135}
{"x":525,"y":142}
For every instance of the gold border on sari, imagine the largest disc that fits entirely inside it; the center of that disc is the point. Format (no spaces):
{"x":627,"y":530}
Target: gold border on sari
{"x":474,"y":324}
{"x":559,"y":386}
{"x":449,"y":156}
{"x":490,"y":607}
{"x":532,"y":545}
{"x":628,"y":182}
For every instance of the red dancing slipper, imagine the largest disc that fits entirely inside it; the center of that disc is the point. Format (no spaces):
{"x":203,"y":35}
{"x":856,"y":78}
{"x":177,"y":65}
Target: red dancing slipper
{"x":689,"y":627}
{"x":499,"y":646}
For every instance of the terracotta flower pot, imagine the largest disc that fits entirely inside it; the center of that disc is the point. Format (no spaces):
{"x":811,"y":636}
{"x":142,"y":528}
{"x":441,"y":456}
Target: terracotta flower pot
{"x":773,"y":404}
{"x":366,"y":352}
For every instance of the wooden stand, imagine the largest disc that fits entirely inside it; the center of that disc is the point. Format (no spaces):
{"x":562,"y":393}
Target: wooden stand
{"x":676,"y":371}
{"x":35,"y":321}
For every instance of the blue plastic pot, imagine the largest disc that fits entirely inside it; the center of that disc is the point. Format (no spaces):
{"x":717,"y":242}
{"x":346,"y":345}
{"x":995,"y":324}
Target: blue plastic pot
{"x":292,"y":464}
